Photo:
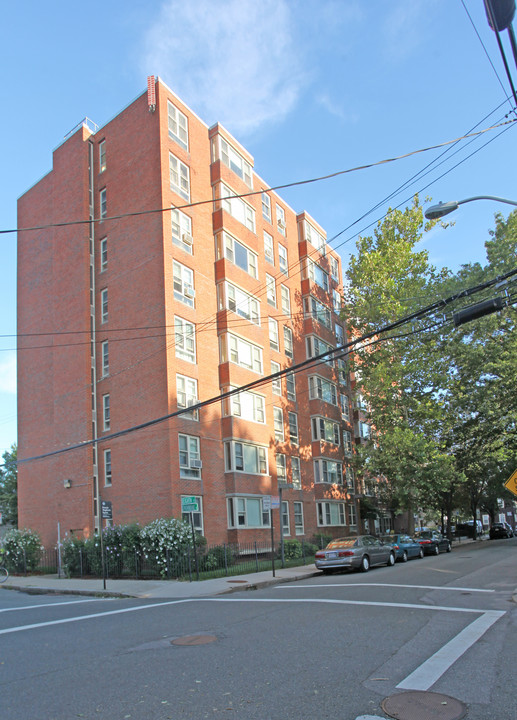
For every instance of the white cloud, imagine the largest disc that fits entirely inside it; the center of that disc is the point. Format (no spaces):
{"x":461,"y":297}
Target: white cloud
{"x":8,"y":374}
{"x":232,"y":61}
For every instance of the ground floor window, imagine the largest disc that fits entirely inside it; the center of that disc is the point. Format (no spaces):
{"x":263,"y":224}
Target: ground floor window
{"x":197,"y":517}
{"x":298,"y":518}
{"x":331,"y":513}
{"x":247,"y":512}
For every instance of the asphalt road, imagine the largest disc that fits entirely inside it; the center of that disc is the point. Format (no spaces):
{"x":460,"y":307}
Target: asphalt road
{"x":328,"y":647}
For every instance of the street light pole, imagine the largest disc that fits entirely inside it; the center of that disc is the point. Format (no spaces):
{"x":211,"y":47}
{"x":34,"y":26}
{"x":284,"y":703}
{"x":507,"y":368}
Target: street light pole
{"x":437,"y":211}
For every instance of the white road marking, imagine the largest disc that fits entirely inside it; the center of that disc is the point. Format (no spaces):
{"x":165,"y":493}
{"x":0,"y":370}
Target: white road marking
{"x":137,"y":608}
{"x":35,"y":607}
{"x":432,"y":669}
{"x":387,"y":585}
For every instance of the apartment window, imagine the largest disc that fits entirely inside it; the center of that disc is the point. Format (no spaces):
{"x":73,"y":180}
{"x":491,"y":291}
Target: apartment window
{"x":242,"y":353}
{"x":364,"y":430}
{"x":325,"y":430}
{"x":273,"y":334}
{"x":185,"y":339}
{"x":281,"y":468}
{"x":104,"y":305}
{"x":315,"y":238}
{"x":276,"y":384}
{"x":237,"y":207}
{"x":269,"y":252}
{"x":195,"y":517}
{"x":278,"y":424}
{"x":345,"y":406}
{"x":296,"y":473}
{"x":266,"y":207}
{"x":352,"y":516}
{"x":315,"y":347}
{"x":179,"y":177}
{"x":106,"y":414}
{"x":183,"y":283}
{"x":298,"y":518}
{"x":350,"y":479}
{"x":240,"y":302}
{"x":290,"y":384}
{"x":336,"y":301}
{"x":280,"y":219}
{"x":293,"y":428}
{"x":331,"y":513}
{"x":103,"y":204}
{"x":245,"y":457}
{"x":232,"y":159}
{"x":181,"y":230}
{"x":246,"y":405}
{"x":334,"y":268}
{"x":246,"y":512}
{"x":270,"y":290}
{"x":342,"y":371}
{"x":282,"y":259}
{"x":288,"y":342}
{"x":107,"y":468}
{"x":285,"y":518}
{"x":178,"y":125}
{"x":105,"y":358}
{"x":104,"y":254}
{"x":240,"y":255}
{"x":340,"y":335}
{"x":317,"y":274}
{"x":189,"y":457}
{"x":102,"y":156}
{"x":328,"y":471}
{"x":322,"y":389}
{"x":313,"y":308}
{"x":285,"y":299}
{"x":347,"y":443}
{"x":186,"y":396}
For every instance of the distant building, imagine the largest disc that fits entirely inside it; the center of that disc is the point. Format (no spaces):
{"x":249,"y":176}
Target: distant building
{"x":154,"y":300}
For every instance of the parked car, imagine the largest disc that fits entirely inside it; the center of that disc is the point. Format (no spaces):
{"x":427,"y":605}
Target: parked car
{"x":467,"y":528}
{"x":360,"y":552}
{"x":405,"y":547}
{"x":500,"y":530}
{"x":433,"y":542}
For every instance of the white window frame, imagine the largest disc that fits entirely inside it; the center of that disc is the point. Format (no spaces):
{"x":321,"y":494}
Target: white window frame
{"x":347,"y":443}
{"x":344,"y":402}
{"x":317,"y":274}
{"x":107,"y":468}
{"x":281,"y":468}
{"x":181,"y":230}
{"x":325,"y":430}
{"x":314,"y":237}
{"x":280,"y":220}
{"x":179,"y":177}
{"x":352,"y":516}
{"x":266,"y":207}
{"x":316,"y":310}
{"x":185,"y":339}
{"x":189,"y":451}
{"x":102,"y":156}
{"x":286,"y":528}
{"x":334,"y":268}
{"x":103,"y":204}
{"x":299,"y":525}
{"x":232,"y":249}
{"x":282,"y":259}
{"x":278,"y":424}
{"x":104,"y":305}
{"x":105,"y":358}
{"x":288,"y":342}
{"x":197,"y":517}
{"x":106,"y":412}
{"x":183,"y":283}
{"x":239,"y":301}
{"x":236,"y":162}
{"x":285,"y":300}
{"x":103,"y":254}
{"x":177,"y":125}
{"x":315,"y":346}
{"x":237,"y":452}
{"x":276,"y":384}
{"x":241,"y":352}
{"x":237,"y":207}
{"x":350,"y":479}
{"x":331,"y":514}
{"x":270,"y":290}
{"x":336,"y":301}
{"x":290,"y":387}
{"x":273,"y":334}
{"x":322,"y":389}
{"x":340,"y":334}
{"x":238,"y":513}
{"x":269,"y":248}
{"x":294,"y":433}
{"x":186,"y":395}
{"x":247,"y":405}
{"x":296,"y":472}
{"x":328,"y":472}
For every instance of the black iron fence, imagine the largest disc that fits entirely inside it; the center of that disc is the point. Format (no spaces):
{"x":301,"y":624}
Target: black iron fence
{"x":170,"y":564}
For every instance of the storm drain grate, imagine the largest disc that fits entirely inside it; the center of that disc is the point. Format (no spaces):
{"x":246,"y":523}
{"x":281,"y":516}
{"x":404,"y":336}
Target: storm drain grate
{"x":194,"y":640}
{"x":419,"y":705}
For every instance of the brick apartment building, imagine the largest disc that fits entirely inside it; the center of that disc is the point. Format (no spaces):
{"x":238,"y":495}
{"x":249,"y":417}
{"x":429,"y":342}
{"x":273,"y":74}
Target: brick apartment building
{"x":170,"y":290}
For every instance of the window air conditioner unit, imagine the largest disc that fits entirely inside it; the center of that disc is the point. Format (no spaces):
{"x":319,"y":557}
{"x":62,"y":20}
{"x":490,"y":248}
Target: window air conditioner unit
{"x":189,"y":292}
{"x":196,"y":464}
{"x":191,"y":402}
{"x":281,"y":225}
{"x":187,"y":239}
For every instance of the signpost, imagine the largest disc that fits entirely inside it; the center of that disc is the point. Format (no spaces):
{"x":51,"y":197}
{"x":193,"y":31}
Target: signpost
{"x":190,"y":505}
{"x":511,"y":483}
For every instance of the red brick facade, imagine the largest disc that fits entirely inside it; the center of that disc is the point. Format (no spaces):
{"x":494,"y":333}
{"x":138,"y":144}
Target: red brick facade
{"x":127,"y":319}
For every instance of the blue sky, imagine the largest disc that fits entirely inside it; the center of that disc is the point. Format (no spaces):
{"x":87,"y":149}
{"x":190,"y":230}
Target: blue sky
{"x":309,"y":87}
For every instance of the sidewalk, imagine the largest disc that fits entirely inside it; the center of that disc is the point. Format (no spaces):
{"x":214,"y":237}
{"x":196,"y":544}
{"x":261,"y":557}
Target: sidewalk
{"x":162,"y":589}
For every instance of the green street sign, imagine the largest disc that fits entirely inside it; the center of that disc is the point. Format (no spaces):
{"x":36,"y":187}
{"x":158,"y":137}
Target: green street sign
{"x":189,"y":504}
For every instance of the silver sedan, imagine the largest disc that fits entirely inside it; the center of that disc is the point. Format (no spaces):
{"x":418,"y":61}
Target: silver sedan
{"x":360,"y":552}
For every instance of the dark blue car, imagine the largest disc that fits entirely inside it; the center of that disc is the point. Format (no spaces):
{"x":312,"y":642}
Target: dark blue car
{"x":405,"y":547}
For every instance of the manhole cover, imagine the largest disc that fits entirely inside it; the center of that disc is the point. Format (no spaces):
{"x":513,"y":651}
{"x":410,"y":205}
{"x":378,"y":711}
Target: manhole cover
{"x":419,"y":705}
{"x":194,"y":640}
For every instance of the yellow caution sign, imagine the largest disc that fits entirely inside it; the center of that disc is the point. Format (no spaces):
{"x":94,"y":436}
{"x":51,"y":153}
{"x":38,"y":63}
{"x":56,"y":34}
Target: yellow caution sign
{"x":511,"y":483}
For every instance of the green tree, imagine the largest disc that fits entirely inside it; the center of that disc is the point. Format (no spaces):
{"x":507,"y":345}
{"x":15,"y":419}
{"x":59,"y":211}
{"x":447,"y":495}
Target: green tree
{"x":9,"y":487}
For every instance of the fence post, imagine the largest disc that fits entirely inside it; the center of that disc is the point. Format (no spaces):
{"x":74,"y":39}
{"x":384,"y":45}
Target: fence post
{"x":80,"y":562}
{"x":189,"y":564}
{"x":225,"y":561}
{"x":167,"y":563}
{"x":136,"y":564}
{"x":256,"y":557}
{"x":24,"y":562}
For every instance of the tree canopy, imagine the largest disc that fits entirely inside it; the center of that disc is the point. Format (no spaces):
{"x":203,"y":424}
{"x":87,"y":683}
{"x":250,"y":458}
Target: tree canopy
{"x":9,"y":487}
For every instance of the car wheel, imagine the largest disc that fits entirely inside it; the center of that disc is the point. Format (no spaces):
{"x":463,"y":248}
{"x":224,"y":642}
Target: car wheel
{"x":421,"y":553}
{"x":404,"y":557}
{"x":328,"y":571}
{"x":365,"y":564}
{"x":436,"y":550}
{"x":449,"y":548}
{"x":391,"y":560}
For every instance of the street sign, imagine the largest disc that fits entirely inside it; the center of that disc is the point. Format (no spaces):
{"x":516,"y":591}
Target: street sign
{"x":511,"y":483}
{"x":266,"y":502}
{"x":275,"y":502}
{"x":106,"y":510}
{"x":189,"y":504}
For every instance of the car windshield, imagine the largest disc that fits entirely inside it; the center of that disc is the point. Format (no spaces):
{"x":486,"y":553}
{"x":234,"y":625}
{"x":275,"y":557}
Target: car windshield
{"x":426,"y":534}
{"x":390,"y":538}
{"x":342,"y":543}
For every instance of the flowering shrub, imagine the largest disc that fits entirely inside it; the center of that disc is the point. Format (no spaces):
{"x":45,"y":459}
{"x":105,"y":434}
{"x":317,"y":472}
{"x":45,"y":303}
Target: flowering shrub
{"x":166,"y":540}
{"x":21,"y":550}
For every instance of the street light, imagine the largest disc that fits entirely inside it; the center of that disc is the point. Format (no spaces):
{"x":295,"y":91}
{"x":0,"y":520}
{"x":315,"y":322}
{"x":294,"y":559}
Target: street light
{"x":437,"y":211}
